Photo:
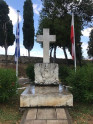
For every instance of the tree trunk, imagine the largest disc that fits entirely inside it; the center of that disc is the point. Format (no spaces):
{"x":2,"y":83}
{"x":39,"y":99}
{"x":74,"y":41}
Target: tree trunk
{"x":80,"y":55}
{"x":54,"y":60}
{"x":65,"y":55}
{"x":28,"y":53}
{"x":6,"y":53}
{"x":51,"y":54}
{"x":6,"y":46}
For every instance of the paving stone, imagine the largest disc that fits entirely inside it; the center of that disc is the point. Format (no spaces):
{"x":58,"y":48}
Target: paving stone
{"x":61,"y":114}
{"x":57,"y":122}
{"x":46,"y":114}
{"x":36,"y":122}
{"x":31,"y":114}
{"x":29,"y":122}
{"x":40,"y":122}
{"x":64,"y":122}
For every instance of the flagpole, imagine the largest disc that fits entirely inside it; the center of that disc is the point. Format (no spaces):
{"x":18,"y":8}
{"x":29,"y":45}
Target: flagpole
{"x":17,"y":48}
{"x":74,"y":44}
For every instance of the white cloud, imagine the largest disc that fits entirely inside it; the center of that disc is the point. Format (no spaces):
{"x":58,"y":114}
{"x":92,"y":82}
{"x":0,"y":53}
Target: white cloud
{"x":13,"y":15}
{"x":37,"y":8}
{"x":60,"y":53}
{"x":84,"y":46}
{"x":84,"y":49}
{"x":39,"y":53}
{"x":24,"y":52}
{"x":2,"y":51}
{"x":86,"y":32}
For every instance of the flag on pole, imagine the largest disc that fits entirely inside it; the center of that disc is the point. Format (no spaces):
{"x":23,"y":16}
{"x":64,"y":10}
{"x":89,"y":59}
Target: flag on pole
{"x":17,"y":48}
{"x":72,"y":36}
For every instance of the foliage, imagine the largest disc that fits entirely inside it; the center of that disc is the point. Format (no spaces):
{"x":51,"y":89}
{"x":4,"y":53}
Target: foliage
{"x":59,"y":25}
{"x":90,"y":45}
{"x":63,"y":73}
{"x":6,"y":28}
{"x":28,"y":25}
{"x":60,"y":8}
{"x":56,"y":15}
{"x":30,"y":72}
{"x":82,"y":83}
{"x":4,"y":11}
{"x":8,"y":84}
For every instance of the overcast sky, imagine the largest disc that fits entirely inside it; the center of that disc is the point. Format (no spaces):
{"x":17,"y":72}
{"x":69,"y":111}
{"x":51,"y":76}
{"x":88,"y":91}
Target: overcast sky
{"x":15,"y":5}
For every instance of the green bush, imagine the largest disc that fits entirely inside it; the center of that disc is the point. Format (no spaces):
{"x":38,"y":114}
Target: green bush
{"x":63,"y":73}
{"x":82,"y":83}
{"x":30,"y":72}
{"x":7,"y":84}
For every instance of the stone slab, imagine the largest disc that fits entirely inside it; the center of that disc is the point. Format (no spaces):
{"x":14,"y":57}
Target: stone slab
{"x":57,"y":122}
{"x":31,"y":114}
{"x":45,"y":96}
{"x":61,"y":114}
{"x":46,"y":74}
{"x":36,"y":122}
{"x":46,"y":114}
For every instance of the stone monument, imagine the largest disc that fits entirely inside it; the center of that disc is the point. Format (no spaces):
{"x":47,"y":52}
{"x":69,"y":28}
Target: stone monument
{"x":46,"y":73}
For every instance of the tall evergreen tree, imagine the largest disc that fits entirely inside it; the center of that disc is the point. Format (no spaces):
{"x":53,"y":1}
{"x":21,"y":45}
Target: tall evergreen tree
{"x":90,"y":45}
{"x":28,"y":26}
{"x":6,"y":28}
{"x":59,"y":12}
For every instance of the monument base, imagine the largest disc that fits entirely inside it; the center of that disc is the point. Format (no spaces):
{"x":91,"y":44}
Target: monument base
{"x":45,"y":97}
{"x":46,"y":73}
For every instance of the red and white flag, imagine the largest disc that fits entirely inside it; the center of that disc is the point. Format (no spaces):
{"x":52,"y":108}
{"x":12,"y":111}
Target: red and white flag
{"x":72,"y":36}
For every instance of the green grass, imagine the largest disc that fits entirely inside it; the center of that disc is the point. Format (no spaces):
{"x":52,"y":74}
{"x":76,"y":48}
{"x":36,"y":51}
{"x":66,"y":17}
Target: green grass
{"x":82,"y":113}
{"x":9,"y":112}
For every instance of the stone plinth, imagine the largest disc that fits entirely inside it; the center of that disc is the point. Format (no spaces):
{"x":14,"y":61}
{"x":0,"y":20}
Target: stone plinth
{"x":46,"y":74}
{"x":45,"y":96}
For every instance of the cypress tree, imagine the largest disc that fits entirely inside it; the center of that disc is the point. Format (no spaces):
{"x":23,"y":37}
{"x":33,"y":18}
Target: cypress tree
{"x":6,"y":28}
{"x":28,"y":26}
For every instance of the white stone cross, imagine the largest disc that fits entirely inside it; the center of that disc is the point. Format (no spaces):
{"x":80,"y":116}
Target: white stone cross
{"x":46,"y":39}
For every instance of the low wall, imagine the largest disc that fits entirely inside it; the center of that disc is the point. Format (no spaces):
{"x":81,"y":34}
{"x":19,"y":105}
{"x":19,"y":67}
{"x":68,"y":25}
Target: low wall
{"x":26,"y":60}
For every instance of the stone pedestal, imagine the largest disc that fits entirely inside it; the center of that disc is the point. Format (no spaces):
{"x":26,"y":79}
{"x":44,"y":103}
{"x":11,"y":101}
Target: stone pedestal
{"x":46,"y":73}
{"x":45,"y":96}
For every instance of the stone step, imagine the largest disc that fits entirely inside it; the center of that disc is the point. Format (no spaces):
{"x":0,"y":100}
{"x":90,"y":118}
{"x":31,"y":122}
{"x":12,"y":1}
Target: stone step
{"x":46,"y":116}
{"x":38,"y":96}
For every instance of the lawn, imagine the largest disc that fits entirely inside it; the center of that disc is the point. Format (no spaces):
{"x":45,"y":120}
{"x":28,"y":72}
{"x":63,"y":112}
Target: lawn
{"x":82,"y":113}
{"x":9,"y":111}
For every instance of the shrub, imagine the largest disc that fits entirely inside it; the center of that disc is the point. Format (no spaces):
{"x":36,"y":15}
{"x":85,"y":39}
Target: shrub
{"x":30,"y":72}
{"x":63,"y":73}
{"x":82,"y":83}
{"x":7,"y":84}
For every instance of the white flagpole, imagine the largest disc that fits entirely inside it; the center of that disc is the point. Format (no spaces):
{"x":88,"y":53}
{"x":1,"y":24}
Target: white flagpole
{"x":74,"y":43}
{"x":17,"y":48}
